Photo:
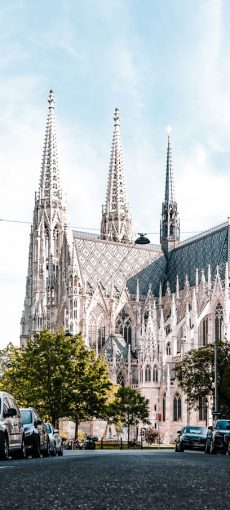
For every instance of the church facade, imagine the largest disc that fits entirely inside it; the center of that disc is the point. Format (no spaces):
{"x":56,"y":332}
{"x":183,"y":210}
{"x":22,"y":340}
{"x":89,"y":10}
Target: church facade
{"x":142,"y":306}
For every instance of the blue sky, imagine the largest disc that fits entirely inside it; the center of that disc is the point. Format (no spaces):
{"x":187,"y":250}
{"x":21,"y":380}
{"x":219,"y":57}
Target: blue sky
{"x":161,"y":62}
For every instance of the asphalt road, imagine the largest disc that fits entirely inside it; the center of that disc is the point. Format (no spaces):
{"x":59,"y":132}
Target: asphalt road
{"x":117,"y":480}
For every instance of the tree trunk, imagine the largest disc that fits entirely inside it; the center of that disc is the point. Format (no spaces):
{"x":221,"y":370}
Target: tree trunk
{"x":76,"y":429}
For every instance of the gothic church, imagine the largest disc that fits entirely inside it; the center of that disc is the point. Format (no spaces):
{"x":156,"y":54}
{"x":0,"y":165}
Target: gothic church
{"x":141,"y":305}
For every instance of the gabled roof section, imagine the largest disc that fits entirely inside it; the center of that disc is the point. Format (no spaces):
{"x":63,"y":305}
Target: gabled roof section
{"x":107,"y":261}
{"x":209,"y":247}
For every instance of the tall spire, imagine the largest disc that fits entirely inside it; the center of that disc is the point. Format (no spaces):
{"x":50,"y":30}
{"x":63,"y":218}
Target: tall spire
{"x":170,"y":225}
{"x":169,"y":195}
{"x":49,"y":188}
{"x":116,"y":224}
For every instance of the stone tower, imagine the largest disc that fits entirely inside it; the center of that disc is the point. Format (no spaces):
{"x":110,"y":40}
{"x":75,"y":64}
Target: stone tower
{"x":170,"y":224}
{"x":116,"y":223}
{"x":44,"y":279}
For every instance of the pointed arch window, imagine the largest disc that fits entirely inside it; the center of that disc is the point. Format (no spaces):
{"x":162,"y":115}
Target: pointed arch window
{"x":202,"y":409}
{"x":218,"y":321}
{"x":155,"y":374}
{"x":164,"y":407}
{"x":120,"y":379}
{"x":46,"y":242}
{"x":141,"y":376}
{"x":147,"y":373}
{"x":203,"y":332}
{"x":56,"y":241}
{"x":168,"y":349}
{"x":177,"y":407}
{"x":123,"y":326}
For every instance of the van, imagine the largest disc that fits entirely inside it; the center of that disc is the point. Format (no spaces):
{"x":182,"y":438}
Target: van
{"x":12,"y":438}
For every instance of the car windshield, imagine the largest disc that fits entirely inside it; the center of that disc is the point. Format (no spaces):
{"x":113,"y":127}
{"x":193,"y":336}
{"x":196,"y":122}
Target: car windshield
{"x":223,"y":424}
{"x":196,"y":430}
{"x":26,"y":416}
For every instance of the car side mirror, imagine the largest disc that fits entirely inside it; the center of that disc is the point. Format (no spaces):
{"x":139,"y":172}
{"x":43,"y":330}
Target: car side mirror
{"x":37,"y":422}
{"x":179,"y":432}
{"x":11,"y":412}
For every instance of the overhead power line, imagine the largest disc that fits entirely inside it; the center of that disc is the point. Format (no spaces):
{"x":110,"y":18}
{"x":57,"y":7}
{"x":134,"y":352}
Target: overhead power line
{"x":6,"y":220}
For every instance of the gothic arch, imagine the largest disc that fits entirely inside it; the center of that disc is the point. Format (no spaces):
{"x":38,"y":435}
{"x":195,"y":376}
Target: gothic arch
{"x":177,"y":407}
{"x":96,"y":327}
{"x":203,"y":332}
{"x":218,"y":321}
{"x":123,"y":325}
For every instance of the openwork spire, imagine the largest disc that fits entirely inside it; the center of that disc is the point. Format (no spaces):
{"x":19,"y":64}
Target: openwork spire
{"x":169,"y":195}
{"x":116,"y":224}
{"x":170,"y":224}
{"x":50,"y":189}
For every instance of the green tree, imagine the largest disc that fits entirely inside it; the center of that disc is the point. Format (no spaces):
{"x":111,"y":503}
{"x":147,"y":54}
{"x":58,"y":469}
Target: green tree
{"x":90,"y":385}
{"x":57,"y":375}
{"x":129,"y":408}
{"x":40,"y":375}
{"x":196,"y":376}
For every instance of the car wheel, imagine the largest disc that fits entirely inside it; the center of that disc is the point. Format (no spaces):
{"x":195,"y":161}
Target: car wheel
{"x":60,"y":452}
{"x":4,"y":448}
{"x":176,"y":448}
{"x":207,"y":448}
{"x":46,"y":452}
{"x":36,"y":452}
{"x":212,"y":449}
{"x":21,"y":454}
{"x":181,"y":448}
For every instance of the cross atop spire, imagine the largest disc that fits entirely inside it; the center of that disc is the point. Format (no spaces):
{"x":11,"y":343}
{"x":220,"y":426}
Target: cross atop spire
{"x":49,"y":188}
{"x":116,"y":224}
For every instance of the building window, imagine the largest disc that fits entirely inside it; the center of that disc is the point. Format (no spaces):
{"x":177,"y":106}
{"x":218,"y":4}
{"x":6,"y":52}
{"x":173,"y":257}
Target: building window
{"x":141,"y":375}
{"x":168,"y":349}
{"x":177,"y":408}
{"x":218,"y":322}
{"x":203,"y":332}
{"x":123,"y":326}
{"x":164,"y":407}
{"x":120,"y":379}
{"x":147,"y":374}
{"x":202,"y":409}
{"x":155,"y":374}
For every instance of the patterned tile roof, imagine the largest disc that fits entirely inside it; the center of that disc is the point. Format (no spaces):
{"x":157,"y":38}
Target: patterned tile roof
{"x":210,"y":247}
{"x":105,"y":261}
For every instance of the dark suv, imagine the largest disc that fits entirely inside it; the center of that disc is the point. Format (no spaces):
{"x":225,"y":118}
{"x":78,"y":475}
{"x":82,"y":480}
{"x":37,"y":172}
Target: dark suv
{"x":217,"y":437}
{"x":36,"y":435}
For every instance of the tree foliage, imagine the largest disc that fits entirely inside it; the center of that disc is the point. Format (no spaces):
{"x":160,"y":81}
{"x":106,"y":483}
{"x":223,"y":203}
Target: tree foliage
{"x":129,"y":408}
{"x":196,"y":375}
{"x":57,"y":375}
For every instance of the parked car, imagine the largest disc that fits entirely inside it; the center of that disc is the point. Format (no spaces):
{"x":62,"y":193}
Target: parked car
{"x":36,"y":435}
{"x":56,"y":444}
{"x":191,"y":437}
{"x":217,"y":437}
{"x":12,"y":437}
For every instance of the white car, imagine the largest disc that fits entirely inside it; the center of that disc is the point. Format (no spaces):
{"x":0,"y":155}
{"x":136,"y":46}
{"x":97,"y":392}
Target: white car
{"x":12,"y":436}
{"x":55,"y":441}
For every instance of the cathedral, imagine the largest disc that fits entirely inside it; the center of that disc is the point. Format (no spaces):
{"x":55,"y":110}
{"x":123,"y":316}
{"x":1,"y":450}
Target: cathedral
{"x":141,"y":305}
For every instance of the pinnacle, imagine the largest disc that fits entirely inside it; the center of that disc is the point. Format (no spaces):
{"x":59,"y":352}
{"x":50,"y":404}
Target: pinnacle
{"x":116,"y":117}
{"x":51,"y":99}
